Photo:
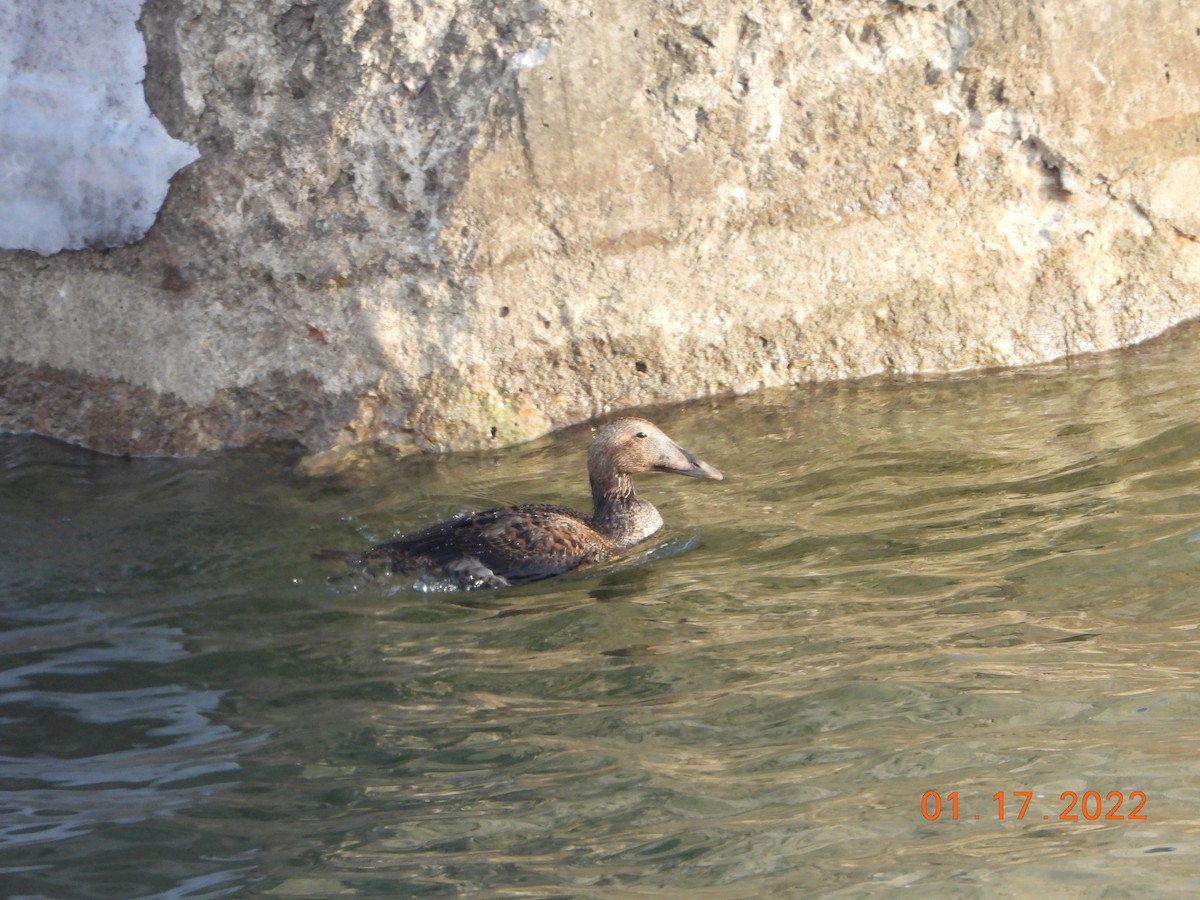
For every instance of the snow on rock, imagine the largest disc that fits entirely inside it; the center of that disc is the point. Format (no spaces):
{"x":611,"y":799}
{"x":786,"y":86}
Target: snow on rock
{"x":83,"y":162}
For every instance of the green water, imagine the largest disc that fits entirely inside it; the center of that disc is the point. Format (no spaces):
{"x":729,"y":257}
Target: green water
{"x":968,"y":585}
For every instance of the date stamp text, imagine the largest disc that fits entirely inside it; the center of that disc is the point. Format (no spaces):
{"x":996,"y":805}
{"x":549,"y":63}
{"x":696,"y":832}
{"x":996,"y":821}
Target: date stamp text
{"x":1090,"y":806}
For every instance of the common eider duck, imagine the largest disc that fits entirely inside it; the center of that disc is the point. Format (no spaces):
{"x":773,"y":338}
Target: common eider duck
{"x":519,"y":544}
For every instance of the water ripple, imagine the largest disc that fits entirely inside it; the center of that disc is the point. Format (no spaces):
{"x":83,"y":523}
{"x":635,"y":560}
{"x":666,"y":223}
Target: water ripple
{"x":968,"y":585}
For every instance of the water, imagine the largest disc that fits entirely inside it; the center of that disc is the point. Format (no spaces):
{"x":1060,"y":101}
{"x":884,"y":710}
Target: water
{"x":968,"y":585}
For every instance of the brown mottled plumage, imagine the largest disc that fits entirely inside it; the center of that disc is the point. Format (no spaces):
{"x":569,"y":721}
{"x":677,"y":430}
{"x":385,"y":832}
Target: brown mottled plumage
{"x":517,"y":544}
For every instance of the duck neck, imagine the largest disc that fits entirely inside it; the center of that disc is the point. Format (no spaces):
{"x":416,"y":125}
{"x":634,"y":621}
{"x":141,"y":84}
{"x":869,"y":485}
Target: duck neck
{"x":618,"y":512}
{"x":611,"y":490}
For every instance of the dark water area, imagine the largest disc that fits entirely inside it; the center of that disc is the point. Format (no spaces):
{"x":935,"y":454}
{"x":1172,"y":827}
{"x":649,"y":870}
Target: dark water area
{"x":973,"y":585}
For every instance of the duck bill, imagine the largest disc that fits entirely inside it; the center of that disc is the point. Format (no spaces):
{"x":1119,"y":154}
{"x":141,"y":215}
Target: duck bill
{"x":691,"y":466}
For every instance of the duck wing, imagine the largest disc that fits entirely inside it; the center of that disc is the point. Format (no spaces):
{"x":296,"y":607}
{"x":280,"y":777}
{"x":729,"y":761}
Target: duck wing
{"x":512,"y":545}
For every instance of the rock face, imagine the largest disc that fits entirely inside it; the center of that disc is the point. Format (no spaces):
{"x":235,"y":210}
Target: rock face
{"x":457,"y":223}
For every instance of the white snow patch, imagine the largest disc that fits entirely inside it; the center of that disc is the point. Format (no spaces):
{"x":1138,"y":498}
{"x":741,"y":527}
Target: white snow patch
{"x":83,"y":162}
{"x":533,"y":57}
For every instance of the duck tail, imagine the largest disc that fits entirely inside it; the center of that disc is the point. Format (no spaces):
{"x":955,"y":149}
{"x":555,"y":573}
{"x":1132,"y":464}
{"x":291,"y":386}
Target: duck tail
{"x":346,"y":556}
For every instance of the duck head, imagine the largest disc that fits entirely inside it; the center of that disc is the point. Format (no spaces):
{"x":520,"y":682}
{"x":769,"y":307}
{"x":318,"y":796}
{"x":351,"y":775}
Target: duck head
{"x":628,"y":446}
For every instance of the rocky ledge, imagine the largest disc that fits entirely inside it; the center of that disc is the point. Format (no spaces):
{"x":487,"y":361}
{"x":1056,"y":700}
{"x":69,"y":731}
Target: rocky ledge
{"x":459,"y":223}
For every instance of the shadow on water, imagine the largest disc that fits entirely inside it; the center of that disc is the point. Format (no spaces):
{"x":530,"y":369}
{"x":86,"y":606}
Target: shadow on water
{"x":977,"y":586}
